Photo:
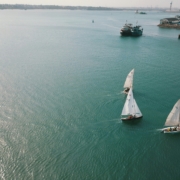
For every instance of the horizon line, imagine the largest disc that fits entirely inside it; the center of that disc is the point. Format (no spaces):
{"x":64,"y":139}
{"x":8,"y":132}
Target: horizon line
{"x":149,"y":7}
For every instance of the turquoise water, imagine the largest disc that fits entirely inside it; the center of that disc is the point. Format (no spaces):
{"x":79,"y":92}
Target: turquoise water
{"x":61,"y":78}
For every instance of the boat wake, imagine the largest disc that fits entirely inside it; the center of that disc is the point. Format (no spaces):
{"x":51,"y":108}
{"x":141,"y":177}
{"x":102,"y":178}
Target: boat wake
{"x":160,"y":130}
{"x":111,"y":120}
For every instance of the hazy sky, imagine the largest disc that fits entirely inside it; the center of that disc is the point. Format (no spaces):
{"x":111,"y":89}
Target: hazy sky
{"x":105,"y":3}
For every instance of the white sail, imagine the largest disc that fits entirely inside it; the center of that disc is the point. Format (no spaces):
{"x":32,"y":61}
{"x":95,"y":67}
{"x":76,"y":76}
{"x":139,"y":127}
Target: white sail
{"x":130,"y":106}
{"x":173,"y":118}
{"x":127,"y":106}
{"x":129,"y":79}
{"x":137,"y":110}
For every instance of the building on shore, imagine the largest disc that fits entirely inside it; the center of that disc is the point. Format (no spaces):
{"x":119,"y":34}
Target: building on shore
{"x":175,"y":20}
{"x":170,"y":22}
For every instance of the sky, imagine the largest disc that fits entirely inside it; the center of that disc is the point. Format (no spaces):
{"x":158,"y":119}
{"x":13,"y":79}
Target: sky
{"x":103,"y":3}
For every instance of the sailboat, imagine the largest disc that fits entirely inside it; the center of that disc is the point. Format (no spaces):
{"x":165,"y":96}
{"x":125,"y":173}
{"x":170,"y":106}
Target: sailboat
{"x":173,"y":120}
{"x":129,"y":81}
{"x":130,"y":110}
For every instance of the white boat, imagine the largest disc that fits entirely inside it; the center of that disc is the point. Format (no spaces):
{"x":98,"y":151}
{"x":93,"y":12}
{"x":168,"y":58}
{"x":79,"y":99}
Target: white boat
{"x":126,"y":30}
{"x":173,"y":120}
{"x":129,"y":82}
{"x":130,"y":110}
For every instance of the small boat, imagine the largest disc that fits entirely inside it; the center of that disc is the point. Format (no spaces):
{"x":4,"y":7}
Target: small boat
{"x":130,"y":110}
{"x":142,"y":13}
{"x":129,"y":82}
{"x":126,"y":30}
{"x":92,"y":21}
{"x":136,"y":31}
{"x":173,"y":120}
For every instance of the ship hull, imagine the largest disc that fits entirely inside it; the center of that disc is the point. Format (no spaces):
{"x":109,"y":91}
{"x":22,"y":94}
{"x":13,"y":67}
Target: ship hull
{"x":125,"y":33}
{"x":136,"y":33}
{"x":171,"y":130}
{"x":131,"y":119}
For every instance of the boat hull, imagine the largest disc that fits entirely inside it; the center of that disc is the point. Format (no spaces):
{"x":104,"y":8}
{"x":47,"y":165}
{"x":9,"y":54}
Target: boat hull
{"x":131,"y":33}
{"x":136,"y":34}
{"x":125,"y":33}
{"x":171,"y":130}
{"x":125,"y":92}
{"x":131,"y":119}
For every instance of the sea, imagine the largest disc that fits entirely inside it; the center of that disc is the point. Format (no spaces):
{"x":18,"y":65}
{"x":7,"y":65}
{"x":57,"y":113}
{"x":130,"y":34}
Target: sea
{"x":61,"y":83}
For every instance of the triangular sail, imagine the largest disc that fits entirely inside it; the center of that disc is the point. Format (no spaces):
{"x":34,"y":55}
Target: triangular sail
{"x":137,"y":110}
{"x":173,"y":118}
{"x":129,"y":107}
{"x":129,"y":80}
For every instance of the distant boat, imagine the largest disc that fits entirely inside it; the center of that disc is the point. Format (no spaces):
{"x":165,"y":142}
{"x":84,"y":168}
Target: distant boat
{"x":92,"y":21}
{"x":173,"y":120}
{"x":130,"y":110}
{"x":136,"y":31}
{"x":129,"y":81}
{"x":136,"y":12}
{"x":142,"y":13}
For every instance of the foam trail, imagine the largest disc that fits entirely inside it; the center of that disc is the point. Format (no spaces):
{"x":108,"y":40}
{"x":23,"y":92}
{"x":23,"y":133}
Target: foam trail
{"x":161,"y":130}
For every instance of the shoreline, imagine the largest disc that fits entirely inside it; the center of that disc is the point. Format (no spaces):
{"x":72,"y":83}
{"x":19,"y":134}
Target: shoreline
{"x":174,"y":26}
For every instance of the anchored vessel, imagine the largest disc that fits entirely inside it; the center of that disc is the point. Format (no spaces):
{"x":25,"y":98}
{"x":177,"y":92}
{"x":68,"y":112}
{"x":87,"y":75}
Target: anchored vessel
{"x":142,"y":13}
{"x":173,"y":120}
{"x":129,"y":30}
{"x":129,"y":81}
{"x":130,"y":110}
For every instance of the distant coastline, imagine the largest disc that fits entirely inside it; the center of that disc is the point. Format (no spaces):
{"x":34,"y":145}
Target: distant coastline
{"x":56,"y":7}
{"x":53,"y":7}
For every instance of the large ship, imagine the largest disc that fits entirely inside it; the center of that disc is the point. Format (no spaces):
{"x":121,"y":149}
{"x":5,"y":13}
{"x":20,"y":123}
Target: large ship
{"x":129,"y":30}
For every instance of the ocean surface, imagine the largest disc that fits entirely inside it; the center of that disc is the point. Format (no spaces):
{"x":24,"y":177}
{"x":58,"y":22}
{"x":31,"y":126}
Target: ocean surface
{"x":61,"y":83}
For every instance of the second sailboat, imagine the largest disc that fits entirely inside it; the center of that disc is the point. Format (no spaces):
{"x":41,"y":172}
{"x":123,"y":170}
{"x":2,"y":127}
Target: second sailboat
{"x":130,"y":110}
